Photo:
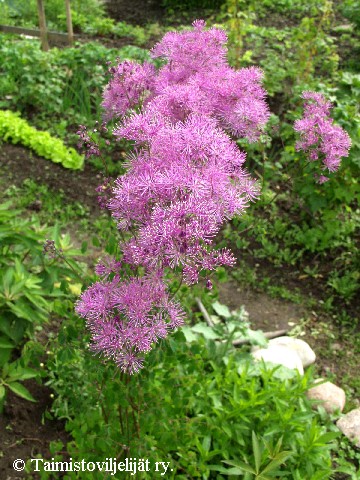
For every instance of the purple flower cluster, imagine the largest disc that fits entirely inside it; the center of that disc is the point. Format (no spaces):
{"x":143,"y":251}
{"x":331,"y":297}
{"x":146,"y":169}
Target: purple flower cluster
{"x":196,"y":79}
{"x":183,"y":183}
{"x":104,"y":192}
{"x":184,"y":179}
{"x":319,"y":137}
{"x":128,"y":87}
{"x":85,"y":141}
{"x":126,"y":317}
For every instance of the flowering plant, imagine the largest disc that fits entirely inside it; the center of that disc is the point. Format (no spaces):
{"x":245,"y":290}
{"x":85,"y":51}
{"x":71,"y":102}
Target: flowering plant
{"x":184,"y":179}
{"x":320,"y":138}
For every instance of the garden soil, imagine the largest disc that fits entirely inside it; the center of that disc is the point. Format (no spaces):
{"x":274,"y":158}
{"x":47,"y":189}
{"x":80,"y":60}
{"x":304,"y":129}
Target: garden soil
{"x":25,"y":430}
{"x":137,"y":12}
{"x":18,"y":163}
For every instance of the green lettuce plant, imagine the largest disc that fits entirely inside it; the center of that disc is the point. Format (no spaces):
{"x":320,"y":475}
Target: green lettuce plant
{"x":16,"y":130}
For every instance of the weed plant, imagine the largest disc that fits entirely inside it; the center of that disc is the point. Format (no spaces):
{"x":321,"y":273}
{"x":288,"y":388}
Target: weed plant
{"x":51,"y":206}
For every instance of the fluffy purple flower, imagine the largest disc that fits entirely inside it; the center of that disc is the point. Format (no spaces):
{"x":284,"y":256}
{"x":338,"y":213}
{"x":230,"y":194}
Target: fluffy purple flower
{"x":90,"y":147}
{"x":184,"y":179}
{"x":130,"y":84}
{"x":126,"y":317}
{"x":178,"y":192}
{"x":107,"y":266}
{"x":198,"y":79}
{"x":319,"y":137}
{"x":187,"y":53}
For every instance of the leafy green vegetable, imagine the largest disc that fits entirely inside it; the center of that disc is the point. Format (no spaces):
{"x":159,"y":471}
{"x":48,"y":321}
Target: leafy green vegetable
{"x":17,"y":130}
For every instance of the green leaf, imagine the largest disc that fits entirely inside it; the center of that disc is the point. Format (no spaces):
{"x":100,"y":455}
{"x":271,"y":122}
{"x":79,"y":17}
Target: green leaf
{"x":189,"y":334}
{"x":7,"y":280}
{"x":13,"y":327}
{"x":257,"y":451}
{"x":327,"y":437}
{"x":221,"y":310}
{"x":95,"y":242}
{"x":257,"y":337}
{"x":244,"y":467}
{"x":2,"y":393}
{"x":5,"y":343}
{"x":226,"y":471}
{"x":4,"y":356}
{"x":23,"y":374}
{"x":279,"y":459}
{"x":206,"y":443}
{"x":281,"y":372}
{"x":233,"y":471}
{"x":21,"y":391}
{"x":23,"y":310}
{"x":111,"y":245}
{"x":205,"y":330}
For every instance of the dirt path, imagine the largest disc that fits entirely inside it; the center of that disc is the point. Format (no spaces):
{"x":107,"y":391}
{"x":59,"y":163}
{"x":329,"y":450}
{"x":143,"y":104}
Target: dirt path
{"x":265,"y":313}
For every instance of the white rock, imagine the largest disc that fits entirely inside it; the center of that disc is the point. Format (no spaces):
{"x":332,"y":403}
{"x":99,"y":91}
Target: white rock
{"x":279,"y":355}
{"x":330,"y":395}
{"x":303,"y":349}
{"x":350,"y":426}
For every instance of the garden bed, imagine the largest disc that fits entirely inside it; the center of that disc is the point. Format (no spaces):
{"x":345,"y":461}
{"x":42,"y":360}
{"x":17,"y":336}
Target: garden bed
{"x":284,"y":279}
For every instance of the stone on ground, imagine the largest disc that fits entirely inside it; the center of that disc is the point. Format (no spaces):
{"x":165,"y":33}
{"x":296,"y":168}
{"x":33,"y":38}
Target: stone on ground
{"x":303,"y":349}
{"x":280,"y":355}
{"x":331,"y":396}
{"x":350,"y":426}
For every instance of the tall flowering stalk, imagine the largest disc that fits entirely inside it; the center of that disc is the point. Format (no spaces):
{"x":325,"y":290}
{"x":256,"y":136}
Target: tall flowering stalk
{"x":184,"y":179}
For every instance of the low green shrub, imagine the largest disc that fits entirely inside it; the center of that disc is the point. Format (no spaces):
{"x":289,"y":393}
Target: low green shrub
{"x":60,"y":89}
{"x":351,"y":10}
{"x":199,"y":405}
{"x":31,"y":289}
{"x":16,"y":130}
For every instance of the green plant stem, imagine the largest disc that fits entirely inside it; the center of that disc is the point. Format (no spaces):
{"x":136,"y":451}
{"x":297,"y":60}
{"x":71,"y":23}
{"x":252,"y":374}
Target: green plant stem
{"x":297,"y":169}
{"x":62,"y":256}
